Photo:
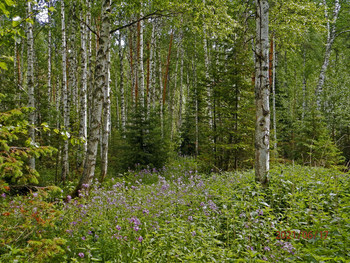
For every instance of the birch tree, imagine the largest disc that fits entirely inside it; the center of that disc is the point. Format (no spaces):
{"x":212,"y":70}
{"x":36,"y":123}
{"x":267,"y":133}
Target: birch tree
{"x":100,"y":85}
{"x":30,"y":81}
{"x":262,"y":126}
{"x":331,"y":35}
{"x":65,"y":106}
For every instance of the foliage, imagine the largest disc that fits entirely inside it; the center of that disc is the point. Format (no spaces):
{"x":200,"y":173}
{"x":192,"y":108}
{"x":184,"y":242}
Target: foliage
{"x":16,"y":148}
{"x":177,"y":215}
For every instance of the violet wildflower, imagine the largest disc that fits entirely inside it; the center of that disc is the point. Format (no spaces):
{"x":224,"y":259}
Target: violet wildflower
{"x":190,"y":218}
{"x":85,"y":185}
{"x":81,"y":254}
{"x":260,"y":212}
{"x":242,"y":215}
{"x":3,"y":195}
{"x":264,"y":258}
{"x":83,"y":238}
{"x":140,"y":239}
{"x":266,"y":248}
{"x":35,"y":194}
{"x":251,"y":248}
{"x":118,"y":227}
{"x":193,"y":233}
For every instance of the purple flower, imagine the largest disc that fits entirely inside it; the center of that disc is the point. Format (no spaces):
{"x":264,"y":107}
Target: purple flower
{"x":69,"y":198}
{"x":264,"y":258}
{"x":145,"y":211}
{"x":190,"y":218}
{"x":136,"y":228}
{"x":193,"y":233}
{"x":267,"y":248}
{"x":242,"y":215}
{"x":85,"y":185}
{"x":83,"y":238}
{"x":251,"y":248}
{"x":35,"y":194}
{"x":3,"y":195}
{"x":260,"y":212}
{"x":81,"y":254}
{"x":118,"y":227}
{"x":140,"y":239}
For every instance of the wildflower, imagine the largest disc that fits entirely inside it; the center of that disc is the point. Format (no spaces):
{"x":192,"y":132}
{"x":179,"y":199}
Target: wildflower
{"x":193,"y":233}
{"x":190,"y":218}
{"x":3,"y":195}
{"x":140,"y":239}
{"x":145,"y":211}
{"x":85,"y":185}
{"x":242,"y":215}
{"x":118,"y":227}
{"x":266,"y":248}
{"x":264,"y":258}
{"x":251,"y":248}
{"x":35,"y":194}
{"x":260,"y":212}
{"x":83,"y":238}
{"x":81,"y":254}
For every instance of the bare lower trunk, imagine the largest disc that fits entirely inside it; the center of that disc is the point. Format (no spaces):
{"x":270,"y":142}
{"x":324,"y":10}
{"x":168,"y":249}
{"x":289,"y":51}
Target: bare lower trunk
{"x":83,"y":95}
{"x":101,"y":85}
{"x":122,"y":94}
{"x":30,"y":83}
{"x":65,"y":161}
{"x":274,"y":62}
{"x":141,"y":69}
{"x":262,"y":127}
{"x":106,"y":120}
{"x":181,"y":95}
{"x":331,"y":34}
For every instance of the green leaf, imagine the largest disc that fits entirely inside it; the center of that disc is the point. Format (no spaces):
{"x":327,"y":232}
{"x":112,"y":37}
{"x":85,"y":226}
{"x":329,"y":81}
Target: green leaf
{"x":10,"y":2}
{"x":52,"y":9}
{"x":3,"y":65}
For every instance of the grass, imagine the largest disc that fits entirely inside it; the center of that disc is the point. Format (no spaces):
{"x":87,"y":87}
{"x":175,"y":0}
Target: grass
{"x":178,"y":215}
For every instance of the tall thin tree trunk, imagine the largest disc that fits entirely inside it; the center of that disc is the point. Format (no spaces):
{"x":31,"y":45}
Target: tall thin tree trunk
{"x":152,"y":74}
{"x":141,"y":69}
{"x":106,"y":118}
{"x":65,"y":160}
{"x":274,"y":62}
{"x":262,"y":127}
{"x":161,"y":92}
{"x":83,"y":94}
{"x":122,"y":93}
{"x":331,"y":35}
{"x":30,"y":82}
{"x":207,"y":80}
{"x":181,"y":95}
{"x":100,"y":86}
{"x":49,"y":67}
{"x":173,"y":93}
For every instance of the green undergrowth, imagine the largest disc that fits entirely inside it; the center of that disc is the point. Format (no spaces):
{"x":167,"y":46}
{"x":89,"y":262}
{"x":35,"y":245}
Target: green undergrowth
{"x":175,"y":214}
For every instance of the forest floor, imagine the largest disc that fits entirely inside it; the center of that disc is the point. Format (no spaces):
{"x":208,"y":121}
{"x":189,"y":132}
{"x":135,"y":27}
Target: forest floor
{"x":178,"y":215}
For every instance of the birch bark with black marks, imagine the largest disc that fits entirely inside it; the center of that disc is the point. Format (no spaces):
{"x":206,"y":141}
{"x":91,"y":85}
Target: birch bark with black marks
{"x":30,"y":82}
{"x":262,"y":126}
{"x":122,"y":93}
{"x":331,"y":35}
{"x":141,"y":69}
{"x":207,"y":78}
{"x":181,"y":95}
{"x":49,"y":67}
{"x":100,"y":86}
{"x":83,"y":93}
{"x":106,"y":116}
{"x":65,"y":106}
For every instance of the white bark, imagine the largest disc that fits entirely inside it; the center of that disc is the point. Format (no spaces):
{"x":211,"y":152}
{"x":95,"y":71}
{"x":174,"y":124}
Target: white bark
{"x":207,"y":80}
{"x":274,"y":97}
{"x":49,"y":80}
{"x":30,"y":82}
{"x":100,"y":86}
{"x":331,"y":35}
{"x":122,"y":92}
{"x":106,"y":117}
{"x":181,"y":85}
{"x":65,"y":160}
{"x":141,"y":69}
{"x":153,"y":65}
{"x":83,"y":91}
{"x":262,"y":127}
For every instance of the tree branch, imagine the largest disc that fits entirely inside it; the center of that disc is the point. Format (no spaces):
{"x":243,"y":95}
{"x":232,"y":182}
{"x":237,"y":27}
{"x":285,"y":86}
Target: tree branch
{"x":82,"y":21}
{"x":342,"y":32}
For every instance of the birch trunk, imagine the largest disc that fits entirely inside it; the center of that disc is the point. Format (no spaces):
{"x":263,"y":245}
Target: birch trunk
{"x":141,"y":69}
{"x":30,"y":82}
{"x":181,"y":84}
{"x":106,"y":117}
{"x":153,"y":65}
{"x":65,"y":161}
{"x":83,"y":94}
{"x":49,"y":68}
{"x":331,"y":35}
{"x":101,"y":84}
{"x":274,"y":62}
{"x":122,"y":93}
{"x":207,"y":80}
{"x":262,"y":126}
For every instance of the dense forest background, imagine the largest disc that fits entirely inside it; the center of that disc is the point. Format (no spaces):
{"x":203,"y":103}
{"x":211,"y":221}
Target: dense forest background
{"x":180,"y":82}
